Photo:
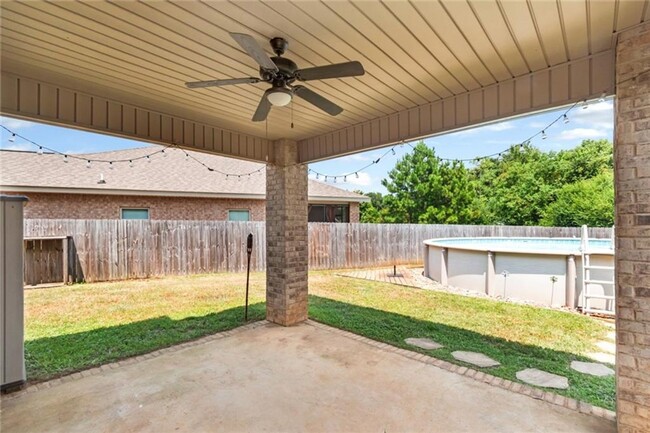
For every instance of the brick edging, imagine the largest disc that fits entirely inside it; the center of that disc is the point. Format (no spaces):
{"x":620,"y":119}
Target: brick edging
{"x":29,"y":389}
{"x":519,"y":388}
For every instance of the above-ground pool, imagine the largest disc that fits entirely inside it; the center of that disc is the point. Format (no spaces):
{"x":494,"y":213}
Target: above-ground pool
{"x":542,"y":270}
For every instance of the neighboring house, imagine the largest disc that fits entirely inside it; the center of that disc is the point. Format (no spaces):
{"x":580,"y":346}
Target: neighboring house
{"x":166,"y":186}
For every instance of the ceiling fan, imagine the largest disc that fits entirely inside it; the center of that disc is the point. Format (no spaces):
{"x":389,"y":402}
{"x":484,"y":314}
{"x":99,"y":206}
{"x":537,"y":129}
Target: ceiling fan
{"x":281,"y":72}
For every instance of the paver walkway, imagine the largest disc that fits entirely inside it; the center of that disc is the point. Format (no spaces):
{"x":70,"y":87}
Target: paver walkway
{"x":308,"y":377}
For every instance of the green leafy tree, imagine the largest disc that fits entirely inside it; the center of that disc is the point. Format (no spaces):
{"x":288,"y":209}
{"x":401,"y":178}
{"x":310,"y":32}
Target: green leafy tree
{"x":372,"y":211}
{"x":588,"y":201}
{"x":424,"y":189}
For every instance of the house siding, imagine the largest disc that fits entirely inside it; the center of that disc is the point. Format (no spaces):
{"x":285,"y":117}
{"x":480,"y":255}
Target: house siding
{"x":90,"y":206}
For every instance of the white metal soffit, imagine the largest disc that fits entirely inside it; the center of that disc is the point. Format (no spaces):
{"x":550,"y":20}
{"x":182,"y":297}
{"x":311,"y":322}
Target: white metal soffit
{"x":517,"y":56}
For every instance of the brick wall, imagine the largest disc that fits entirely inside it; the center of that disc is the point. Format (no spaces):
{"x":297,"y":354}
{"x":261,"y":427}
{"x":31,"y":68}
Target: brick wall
{"x":354,"y":213}
{"x":88,"y":206}
{"x":632,"y":179}
{"x":286,"y":236}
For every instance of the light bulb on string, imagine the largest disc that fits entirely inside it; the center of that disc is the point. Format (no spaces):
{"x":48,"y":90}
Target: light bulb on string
{"x":334,"y":179}
{"x":543,"y":135}
{"x":148,"y":158}
{"x":357,"y":175}
{"x":65,"y":158}
{"x":131,"y":163}
{"x":602,"y":97}
{"x":88,"y":164}
{"x":565,"y":119}
{"x":345,"y":178}
{"x":585,"y":104}
{"x":164,"y":153}
{"x":110,"y":165}
{"x":40,"y":150}
{"x":393,"y":151}
{"x":12,"y":138}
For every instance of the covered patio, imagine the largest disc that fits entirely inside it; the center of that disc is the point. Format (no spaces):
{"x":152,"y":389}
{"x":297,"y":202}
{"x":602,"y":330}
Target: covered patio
{"x":263,"y":377}
{"x":430,"y":68}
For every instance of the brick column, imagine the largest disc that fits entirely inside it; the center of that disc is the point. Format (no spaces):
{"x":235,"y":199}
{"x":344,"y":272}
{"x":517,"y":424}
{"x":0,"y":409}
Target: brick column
{"x":632,"y":178}
{"x":286,"y":236}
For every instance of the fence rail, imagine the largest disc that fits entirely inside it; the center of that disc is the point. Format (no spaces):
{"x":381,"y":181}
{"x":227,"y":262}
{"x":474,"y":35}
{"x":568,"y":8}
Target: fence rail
{"x":105,"y":250}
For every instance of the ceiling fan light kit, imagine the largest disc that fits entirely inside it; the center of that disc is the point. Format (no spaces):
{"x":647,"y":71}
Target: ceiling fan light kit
{"x":281,"y":73}
{"x":279,"y":96}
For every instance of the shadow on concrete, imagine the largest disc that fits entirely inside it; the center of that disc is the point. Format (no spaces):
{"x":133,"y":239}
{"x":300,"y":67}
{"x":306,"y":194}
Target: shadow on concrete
{"x":63,"y":354}
{"x":393,"y":328}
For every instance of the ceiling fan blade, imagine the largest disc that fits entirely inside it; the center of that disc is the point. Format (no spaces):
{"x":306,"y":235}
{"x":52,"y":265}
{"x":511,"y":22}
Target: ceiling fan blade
{"x":254,"y":50}
{"x":263,"y":109}
{"x":314,"y":98}
{"x":338,"y":70}
{"x":224,"y":82}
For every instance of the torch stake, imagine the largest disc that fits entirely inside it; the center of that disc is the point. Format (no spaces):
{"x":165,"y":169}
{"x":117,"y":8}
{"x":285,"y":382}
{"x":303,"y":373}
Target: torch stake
{"x":249,"y":250}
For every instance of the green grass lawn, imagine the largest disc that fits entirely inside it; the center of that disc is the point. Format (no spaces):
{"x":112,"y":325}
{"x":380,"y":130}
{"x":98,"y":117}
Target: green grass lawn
{"x":76,"y":327}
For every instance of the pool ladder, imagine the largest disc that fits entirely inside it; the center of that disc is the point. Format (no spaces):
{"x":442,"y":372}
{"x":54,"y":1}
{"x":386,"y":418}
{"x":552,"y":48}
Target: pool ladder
{"x":588,"y":282}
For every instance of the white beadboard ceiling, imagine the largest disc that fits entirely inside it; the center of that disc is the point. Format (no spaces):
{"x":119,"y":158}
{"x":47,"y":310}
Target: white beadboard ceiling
{"x":414,"y":52}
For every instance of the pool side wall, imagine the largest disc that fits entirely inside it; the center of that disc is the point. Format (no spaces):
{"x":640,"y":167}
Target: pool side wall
{"x":538,"y":278}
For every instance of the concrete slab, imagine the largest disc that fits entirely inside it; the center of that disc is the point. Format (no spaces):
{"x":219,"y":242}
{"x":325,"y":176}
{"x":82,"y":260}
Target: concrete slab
{"x":542,"y":378}
{"x":592,"y":368}
{"x":423,"y":343}
{"x":475,"y":358}
{"x":303,"y":378}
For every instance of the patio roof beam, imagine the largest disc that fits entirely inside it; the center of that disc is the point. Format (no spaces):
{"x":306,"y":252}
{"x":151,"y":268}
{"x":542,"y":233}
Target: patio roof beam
{"x":585,"y":78}
{"x":40,"y":101}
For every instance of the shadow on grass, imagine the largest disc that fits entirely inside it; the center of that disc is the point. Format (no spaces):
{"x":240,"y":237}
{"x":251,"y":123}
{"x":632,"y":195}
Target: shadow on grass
{"x":393,"y":328}
{"x":54,"y":356}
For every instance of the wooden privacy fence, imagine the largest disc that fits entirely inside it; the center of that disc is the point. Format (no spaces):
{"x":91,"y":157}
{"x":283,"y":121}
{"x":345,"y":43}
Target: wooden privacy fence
{"x":104,"y":250}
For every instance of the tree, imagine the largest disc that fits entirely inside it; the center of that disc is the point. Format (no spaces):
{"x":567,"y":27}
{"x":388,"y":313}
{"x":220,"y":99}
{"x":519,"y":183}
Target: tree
{"x":588,"y":201}
{"x":372,"y":211}
{"x":424,"y":189}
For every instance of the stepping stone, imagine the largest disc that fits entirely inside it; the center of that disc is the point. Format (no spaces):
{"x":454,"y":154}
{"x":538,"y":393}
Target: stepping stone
{"x":592,"y":368}
{"x":423,"y":343}
{"x":475,"y":358}
{"x":541,"y":378}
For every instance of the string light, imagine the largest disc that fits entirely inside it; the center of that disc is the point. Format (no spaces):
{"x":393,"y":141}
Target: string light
{"x":585,"y":104}
{"x":12,"y":138}
{"x":564,"y":117}
{"x":131,"y":161}
{"x":602,"y":97}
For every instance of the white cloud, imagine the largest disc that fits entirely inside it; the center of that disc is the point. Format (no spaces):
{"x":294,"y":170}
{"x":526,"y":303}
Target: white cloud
{"x":17,"y":146}
{"x":357,"y":157}
{"x":364,"y":179}
{"x":582,"y":134}
{"x":15,"y":124}
{"x":502,"y":126}
{"x":598,"y":116}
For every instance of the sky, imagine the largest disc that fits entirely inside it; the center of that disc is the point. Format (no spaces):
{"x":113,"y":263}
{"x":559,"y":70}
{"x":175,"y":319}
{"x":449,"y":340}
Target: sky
{"x":593,"y":122}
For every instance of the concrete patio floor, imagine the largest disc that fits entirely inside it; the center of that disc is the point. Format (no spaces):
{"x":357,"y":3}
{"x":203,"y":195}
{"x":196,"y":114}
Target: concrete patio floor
{"x":269,"y":378}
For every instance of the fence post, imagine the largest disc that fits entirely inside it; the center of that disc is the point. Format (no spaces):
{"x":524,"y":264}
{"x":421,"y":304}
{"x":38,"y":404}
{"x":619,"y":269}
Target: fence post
{"x":490,"y":275}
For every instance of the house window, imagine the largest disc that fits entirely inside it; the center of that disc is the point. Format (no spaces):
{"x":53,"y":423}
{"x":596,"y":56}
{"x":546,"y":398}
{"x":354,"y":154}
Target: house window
{"x":329,"y":213}
{"x":135,"y":214}
{"x":239,"y":215}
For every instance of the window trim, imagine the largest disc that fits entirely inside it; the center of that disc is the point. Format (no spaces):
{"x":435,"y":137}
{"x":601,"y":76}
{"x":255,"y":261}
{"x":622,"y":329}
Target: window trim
{"x":238,"y":210}
{"x":122,"y":209}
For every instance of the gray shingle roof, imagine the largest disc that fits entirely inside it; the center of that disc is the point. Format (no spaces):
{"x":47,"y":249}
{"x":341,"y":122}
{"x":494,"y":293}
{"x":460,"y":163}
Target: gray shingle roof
{"x":170,"y":175}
